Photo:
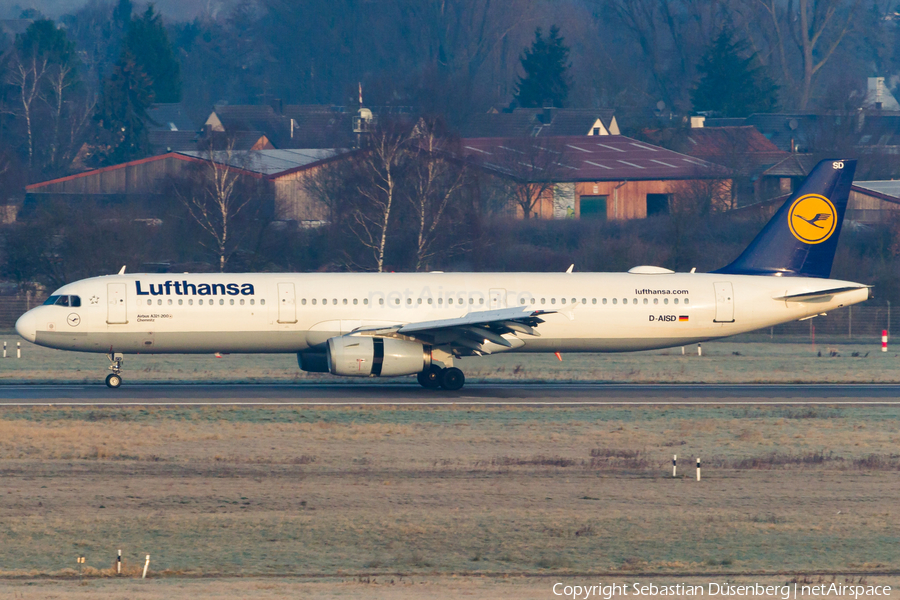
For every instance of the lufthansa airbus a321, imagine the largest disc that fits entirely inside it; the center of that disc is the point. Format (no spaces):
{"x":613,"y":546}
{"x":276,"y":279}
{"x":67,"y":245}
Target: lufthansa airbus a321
{"x":384,"y":325}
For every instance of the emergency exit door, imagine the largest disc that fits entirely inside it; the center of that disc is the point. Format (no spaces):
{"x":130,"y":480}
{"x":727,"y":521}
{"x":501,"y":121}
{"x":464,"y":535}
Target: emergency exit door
{"x":724,"y":302}
{"x":116,"y":306}
{"x":287,"y":303}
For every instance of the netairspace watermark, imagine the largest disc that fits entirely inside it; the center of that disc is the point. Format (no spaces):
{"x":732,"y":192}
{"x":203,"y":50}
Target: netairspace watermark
{"x":783,"y":592}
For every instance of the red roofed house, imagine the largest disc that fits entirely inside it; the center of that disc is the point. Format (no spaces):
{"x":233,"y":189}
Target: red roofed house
{"x":604,"y":177}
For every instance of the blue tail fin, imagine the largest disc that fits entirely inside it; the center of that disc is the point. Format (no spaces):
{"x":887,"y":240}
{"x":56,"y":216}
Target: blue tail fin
{"x":801,"y":238}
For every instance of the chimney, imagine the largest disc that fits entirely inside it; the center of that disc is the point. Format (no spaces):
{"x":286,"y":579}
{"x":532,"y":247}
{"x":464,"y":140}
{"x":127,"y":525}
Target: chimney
{"x":547,"y":115}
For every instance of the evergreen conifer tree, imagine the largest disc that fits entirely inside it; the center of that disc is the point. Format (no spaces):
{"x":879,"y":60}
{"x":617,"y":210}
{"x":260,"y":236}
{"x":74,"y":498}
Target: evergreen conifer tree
{"x":148,"y":42}
{"x":127,"y":94}
{"x":731,"y":83}
{"x":545,"y":65}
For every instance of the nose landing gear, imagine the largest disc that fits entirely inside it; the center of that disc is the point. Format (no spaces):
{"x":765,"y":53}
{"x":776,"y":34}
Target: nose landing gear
{"x":114,"y":379}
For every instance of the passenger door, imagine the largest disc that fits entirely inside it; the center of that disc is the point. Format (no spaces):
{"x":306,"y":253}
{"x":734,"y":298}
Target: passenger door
{"x":116,"y":306}
{"x":287,"y":303}
{"x":724,"y":302}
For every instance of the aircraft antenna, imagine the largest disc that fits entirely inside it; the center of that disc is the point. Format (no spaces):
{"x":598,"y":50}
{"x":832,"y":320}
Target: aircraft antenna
{"x":122,"y":270}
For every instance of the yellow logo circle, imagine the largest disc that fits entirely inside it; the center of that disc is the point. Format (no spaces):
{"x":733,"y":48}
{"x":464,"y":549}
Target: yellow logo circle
{"x":812,"y":218}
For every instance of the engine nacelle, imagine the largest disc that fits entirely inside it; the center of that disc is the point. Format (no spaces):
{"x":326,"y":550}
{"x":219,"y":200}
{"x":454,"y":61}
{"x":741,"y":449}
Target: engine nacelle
{"x":361,"y":356}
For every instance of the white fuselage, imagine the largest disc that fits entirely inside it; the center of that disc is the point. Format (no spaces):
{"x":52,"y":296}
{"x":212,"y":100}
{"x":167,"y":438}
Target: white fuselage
{"x":280,"y":313}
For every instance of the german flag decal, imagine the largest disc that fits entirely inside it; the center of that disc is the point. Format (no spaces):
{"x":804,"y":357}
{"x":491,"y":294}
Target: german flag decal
{"x":682,"y":318}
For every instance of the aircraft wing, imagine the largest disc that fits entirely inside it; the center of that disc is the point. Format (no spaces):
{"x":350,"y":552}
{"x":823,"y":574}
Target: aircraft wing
{"x":473,"y":334}
{"x":820,"y":295}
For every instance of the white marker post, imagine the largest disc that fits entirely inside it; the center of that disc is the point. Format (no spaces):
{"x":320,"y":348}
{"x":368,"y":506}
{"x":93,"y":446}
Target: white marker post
{"x":699,"y":350}
{"x":884,"y":340}
{"x":4,"y":349}
{"x":674,"y":464}
{"x":698,"y":469}
{"x":146,"y":566}
{"x":119,"y":563}
{"x":18,"y":349}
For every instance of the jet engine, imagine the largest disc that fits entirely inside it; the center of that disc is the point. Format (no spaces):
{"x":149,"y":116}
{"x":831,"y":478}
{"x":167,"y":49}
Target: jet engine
{"x":360,"y":356}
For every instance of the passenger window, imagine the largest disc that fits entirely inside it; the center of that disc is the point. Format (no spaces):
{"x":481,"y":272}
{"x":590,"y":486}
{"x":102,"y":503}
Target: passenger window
{"x":190,"y":302}
{"x":665,"y":300}
{"x":634,"y":300}
{"x":604,"y":301}
{"x":345,"y":302}
{"x":302,"y":301}
{"x":221,"y":301}
{"x":440,"y":300}
{"x":409,"y":300}
{"x":676,"y":300}
{"x":615,"y":301}
{"x":584,"y":301}
{"x":429,"y":301}
{"x":170,"y":302}
{"x":646,"y":301}
{"x":449,"y":300}
{"x":51,"y":300}
{"x":230,"y":301}
{"x":574,"y":300}
{"x":355,"y":302}
{"x":365,"y":300}
{"x":324,"y":301}
{"x":314,"y":301}
{"x":242,"y":301}
{"x":200,"y":302}
{"x":481,"y":301}
{"x":159,"y":302}
{"x":396,"y":300}
{"x":543,"y":301}
{"x":263,"y":301}
{"x":624,"y":300}
{"x":419,"y":301}
{"x":686,"y":301}
{"x":180,"y":302}
{"x":149,"y":302}
{"x":334,"y":301}
{"x":656,"y":301}
{"x":563,"y":300}
{"x":532,"y":300}
{"x":252,"y":301}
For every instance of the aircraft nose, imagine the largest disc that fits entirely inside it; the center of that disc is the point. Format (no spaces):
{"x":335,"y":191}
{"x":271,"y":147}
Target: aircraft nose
{"x":26,"y":326}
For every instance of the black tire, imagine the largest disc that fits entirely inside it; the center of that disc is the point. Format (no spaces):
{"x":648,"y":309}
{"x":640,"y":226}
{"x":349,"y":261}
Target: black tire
{"x":452,"y":379}
{"x":430,"y":379}
{"x":113,"y":381}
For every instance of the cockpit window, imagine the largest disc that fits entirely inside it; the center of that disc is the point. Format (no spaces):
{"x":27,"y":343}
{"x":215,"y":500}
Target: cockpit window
{"x":60,"y":300}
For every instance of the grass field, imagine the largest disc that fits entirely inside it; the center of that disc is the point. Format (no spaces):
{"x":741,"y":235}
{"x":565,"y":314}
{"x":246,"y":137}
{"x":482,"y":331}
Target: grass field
{"x":431,"y":492}
{"x":837,"y":360}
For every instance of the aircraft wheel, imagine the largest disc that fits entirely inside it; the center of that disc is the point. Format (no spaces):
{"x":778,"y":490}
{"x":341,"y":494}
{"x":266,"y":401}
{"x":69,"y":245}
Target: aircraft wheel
{"x":113,"y":380}
{"x":430,"y":379}
{"x":452,"y":379}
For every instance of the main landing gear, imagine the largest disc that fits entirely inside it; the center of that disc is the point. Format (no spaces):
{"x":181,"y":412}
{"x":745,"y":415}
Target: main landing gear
{"x":450,"y":379}
{"x":114,"y":379}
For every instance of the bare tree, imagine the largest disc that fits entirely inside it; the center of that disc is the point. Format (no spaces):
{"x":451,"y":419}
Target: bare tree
{"x":215,"y":199}
{"x":378,"y":168}
{"x":816,"y":28}
{"x":435,"y":181}
{"x":26,"y":75}
{"x":528,"y":169}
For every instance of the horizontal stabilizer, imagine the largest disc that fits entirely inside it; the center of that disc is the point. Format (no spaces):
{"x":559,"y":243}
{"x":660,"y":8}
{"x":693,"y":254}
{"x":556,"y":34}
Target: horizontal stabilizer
{"x":820,"y":295}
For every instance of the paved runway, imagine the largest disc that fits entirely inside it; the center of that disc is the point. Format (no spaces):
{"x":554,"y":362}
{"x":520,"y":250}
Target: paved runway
{"x":473,"y":394}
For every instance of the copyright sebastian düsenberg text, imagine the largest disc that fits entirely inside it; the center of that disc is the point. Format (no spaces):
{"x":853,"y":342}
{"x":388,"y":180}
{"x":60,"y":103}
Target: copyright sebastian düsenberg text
{"x":784,"y":592}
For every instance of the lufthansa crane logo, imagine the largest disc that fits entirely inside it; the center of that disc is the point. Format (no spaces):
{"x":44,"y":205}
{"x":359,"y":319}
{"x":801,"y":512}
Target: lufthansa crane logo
{"x":812,"y":218}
